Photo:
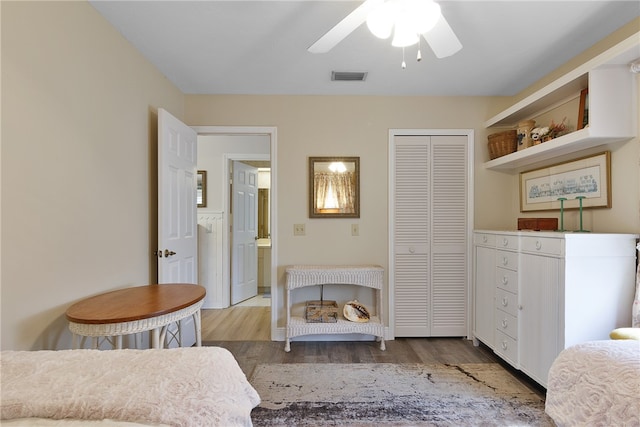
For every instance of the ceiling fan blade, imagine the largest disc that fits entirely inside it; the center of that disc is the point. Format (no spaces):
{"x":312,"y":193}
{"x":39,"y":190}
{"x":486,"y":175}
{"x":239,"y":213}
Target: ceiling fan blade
{"x":442,"y":39}
{"x":344,"y":27}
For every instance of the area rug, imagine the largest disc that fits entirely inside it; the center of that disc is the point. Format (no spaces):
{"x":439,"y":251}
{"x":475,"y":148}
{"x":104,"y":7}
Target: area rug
{"x":383,"y":394}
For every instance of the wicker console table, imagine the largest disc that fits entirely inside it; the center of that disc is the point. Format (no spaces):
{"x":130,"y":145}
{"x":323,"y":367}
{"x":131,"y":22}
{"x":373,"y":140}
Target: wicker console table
{"x":299,"y":276}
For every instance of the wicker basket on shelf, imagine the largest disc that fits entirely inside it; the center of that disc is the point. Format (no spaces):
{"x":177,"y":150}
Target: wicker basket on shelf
{"x":502,"y":143}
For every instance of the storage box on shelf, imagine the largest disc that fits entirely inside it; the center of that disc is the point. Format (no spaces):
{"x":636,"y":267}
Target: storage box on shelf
{"x":612,"y":108}
{"x":538,"y":224}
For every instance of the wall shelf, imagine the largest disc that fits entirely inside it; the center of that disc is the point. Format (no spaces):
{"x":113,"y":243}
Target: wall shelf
{"x":567,"y":144}
{"x":612,"y":108}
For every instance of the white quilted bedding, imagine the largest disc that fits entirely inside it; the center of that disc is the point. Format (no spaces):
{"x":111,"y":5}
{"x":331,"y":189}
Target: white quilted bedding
{"x":47,"y":422}
{"x":596,"y":384}
{"x":199,"y":386}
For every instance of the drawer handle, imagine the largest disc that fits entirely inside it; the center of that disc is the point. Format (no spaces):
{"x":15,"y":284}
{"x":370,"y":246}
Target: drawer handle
{"x":505,"y":280}
{"x":411,"y":250}
{"x":505,"y":301}
{"x":484,"y":239}
{"x":538,"y":244}
{"x":504,"y":345}
{"x":505,"y":324}
{"x":505,"y":260}
{"x":505,"y":242}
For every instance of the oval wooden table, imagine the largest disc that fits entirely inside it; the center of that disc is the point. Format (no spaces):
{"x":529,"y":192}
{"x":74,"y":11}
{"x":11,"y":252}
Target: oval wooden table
{"x":139,"y":309}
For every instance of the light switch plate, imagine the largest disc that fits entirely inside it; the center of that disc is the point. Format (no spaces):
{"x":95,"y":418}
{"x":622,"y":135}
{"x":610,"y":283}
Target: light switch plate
{"x":355,"y":230}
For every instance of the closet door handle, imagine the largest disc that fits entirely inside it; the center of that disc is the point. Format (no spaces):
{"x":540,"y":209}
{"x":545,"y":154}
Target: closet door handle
{"x":168,"y":253}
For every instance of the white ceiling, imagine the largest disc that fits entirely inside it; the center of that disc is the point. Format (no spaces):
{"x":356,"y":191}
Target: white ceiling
{"x":260,"y":47}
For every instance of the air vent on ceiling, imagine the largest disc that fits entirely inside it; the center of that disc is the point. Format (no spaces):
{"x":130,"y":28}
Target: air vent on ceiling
{"x":348,"y":76}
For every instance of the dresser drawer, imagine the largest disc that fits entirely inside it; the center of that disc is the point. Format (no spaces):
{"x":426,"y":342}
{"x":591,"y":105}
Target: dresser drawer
{"x":542,"y":245}
{"x":507,"y":280}
{"x":507,"y":348}
{"x":507,"y":242}
{"x":507,"y":324}
{"x":507,"y":302}
{"x":507,"y":259}
{"x":484,"y":239}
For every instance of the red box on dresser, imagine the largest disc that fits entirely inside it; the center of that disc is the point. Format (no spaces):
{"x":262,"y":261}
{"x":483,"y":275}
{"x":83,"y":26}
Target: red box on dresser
{"x":538,"y":224}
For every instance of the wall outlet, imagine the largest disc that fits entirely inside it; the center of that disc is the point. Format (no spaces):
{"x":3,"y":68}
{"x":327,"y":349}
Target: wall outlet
{"x":355,"y":230}
{"x":298,"y":230}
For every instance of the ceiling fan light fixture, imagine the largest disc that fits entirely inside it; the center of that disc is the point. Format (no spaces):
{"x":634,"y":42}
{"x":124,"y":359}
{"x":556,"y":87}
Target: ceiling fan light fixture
{"x":383,"y":17}
{"x":406,"y":19}
{"x":380,"y":20}
{"x":404,"y":33}
{"x":425,"y":14}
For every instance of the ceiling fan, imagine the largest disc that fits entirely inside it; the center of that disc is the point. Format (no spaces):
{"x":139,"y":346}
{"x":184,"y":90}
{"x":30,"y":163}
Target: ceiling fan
{"x":407,"y":19}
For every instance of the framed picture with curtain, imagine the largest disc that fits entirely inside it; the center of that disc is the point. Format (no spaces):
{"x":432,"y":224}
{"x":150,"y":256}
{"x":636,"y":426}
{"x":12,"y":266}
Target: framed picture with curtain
{"x":334,"y":187}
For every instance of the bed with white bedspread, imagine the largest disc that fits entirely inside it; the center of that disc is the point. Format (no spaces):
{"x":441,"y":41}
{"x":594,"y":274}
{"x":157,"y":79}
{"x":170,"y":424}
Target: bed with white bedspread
{"x":197,"y":386}
{"x":596,"y":384}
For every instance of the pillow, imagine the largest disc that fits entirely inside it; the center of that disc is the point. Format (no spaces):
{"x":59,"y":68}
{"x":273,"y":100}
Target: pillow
{"x":625,"y":334}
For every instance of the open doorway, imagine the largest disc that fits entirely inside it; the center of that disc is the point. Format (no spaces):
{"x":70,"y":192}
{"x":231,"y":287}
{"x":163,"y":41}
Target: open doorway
{"x":218,"y":147}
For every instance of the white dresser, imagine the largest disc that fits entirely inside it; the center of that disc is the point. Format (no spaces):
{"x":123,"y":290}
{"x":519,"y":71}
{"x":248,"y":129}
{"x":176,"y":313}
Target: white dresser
{"x":536,"y":293}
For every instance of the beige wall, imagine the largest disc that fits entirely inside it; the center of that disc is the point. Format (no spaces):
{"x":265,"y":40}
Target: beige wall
{"x":359,"y":126}
{"x":78,"y":151}
{"x":78,"y":165}
{"x":348,"y":125}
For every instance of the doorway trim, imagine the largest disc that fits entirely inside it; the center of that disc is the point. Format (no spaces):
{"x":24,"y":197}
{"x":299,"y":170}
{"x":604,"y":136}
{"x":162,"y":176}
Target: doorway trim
{"x":272,"y":132}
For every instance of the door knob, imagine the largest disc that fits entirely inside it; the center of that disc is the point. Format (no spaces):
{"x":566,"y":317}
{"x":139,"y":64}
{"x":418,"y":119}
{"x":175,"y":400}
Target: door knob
{"x":168,"y":253}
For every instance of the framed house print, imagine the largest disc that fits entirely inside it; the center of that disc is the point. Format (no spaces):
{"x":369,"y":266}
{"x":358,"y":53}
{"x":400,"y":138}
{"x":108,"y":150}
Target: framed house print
{"x":588,"y":178}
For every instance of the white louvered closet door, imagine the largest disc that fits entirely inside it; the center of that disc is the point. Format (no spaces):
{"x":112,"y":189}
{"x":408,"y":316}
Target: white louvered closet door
{"x":429,"y":198}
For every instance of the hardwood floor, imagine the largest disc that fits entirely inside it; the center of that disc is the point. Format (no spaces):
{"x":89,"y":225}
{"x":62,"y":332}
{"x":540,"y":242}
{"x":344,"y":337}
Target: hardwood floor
{"x":245,"y":332}
{"x":237,"y":323}
{"x":402,"y":350}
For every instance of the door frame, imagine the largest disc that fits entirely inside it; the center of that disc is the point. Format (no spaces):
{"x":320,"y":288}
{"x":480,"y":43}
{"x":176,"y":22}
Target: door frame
{"x":469,"y":134}
{"x":273,"y":138}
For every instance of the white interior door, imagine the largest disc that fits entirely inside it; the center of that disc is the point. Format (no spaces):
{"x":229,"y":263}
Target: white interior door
{"x":429,"y":213}
{"x":177,"y":222}
{"x":244,"y":253}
